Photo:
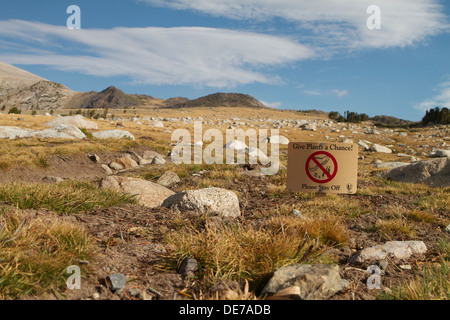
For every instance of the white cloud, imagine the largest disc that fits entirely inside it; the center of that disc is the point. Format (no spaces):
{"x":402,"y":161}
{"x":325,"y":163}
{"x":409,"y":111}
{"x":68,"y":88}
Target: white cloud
{"x":190,"y":55}
{"x":335,"y":24}
{"x":274,"y":105}
{"x":441,"y":99}
{"x":340,"y":93}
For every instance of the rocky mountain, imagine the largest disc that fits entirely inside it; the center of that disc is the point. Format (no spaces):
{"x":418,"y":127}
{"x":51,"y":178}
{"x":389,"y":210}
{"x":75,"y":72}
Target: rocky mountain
{"x":111,"y":97}
{"x":221,"y":100}
{"x":26,"y":91}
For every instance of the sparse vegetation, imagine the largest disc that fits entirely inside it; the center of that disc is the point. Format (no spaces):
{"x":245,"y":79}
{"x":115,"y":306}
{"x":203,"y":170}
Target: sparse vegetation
{"x":69,"y":197}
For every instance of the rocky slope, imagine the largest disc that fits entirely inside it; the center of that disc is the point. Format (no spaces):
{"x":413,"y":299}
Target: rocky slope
{"x":19,"y":88}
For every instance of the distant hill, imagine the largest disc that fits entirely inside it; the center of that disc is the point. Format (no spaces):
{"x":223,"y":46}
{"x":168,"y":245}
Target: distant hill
{"x":388,"y":121}
{"x":26,"y":91}
{"x":175,"y":101}
{"x":111,"y":98}
{"x":221,"y":100}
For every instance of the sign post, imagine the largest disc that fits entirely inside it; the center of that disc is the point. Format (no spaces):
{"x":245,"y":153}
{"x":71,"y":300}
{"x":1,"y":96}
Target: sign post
{"x":322,"y":167}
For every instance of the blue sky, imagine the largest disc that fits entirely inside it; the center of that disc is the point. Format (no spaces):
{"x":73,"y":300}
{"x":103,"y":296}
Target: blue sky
{"x":290,"y":54}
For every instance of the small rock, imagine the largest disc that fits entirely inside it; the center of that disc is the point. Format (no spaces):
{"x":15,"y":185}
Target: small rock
{"x":188,"y":266}
{"x":96,"y":296}
{"x":316,"y":282}
{"x":94,"y":158}
{"x":50,"y":179}
{"x":405,"y":267}
{"x":115,"y":166}
{"x":380,"y":148}
{"x":158,"y":160}
{"x":297,"y":213}
{"x":107,"y":169}
{"x":397,"y":250}
{"x":168,"y":179}
{"x":214,"y":201}
{"x":447,"y":229}
{"x":117,"y":282}
{"x":127,"y":163}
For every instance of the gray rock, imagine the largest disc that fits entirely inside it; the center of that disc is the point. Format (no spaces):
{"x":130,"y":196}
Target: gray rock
{"x":440,"y":154}
{"x":168,"y":179}
{"x":447,"y":229}
{"x":78,"y":121}
{"x":15,"y":133}
{"x":309,"y":127}
{"x":390,"y":165}
{"x":396,"y":250}
{"x":51,"y":179}
{"x":434,"y":173}
{"x":117,"y":282}
{"x":297,"y":213}
{"x":316,"y":282}
{"x":159,"y":160}
{"x":60,"y":132}
{"x":148,"y":194}
{"x":379,"y":148}
{"x":94,"y":158}
{"x":115,"y":166}
{"x":214,"y":201}
{"x":113,"y":134}
{"x":188,"y":266}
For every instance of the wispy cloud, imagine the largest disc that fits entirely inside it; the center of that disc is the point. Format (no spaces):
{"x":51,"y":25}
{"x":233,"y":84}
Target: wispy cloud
{"x":441,"y":99}
{"x":191,"y":55}
{"x":275,"y":105}
{"x":335,"y":24}
{"x":340,"y":93}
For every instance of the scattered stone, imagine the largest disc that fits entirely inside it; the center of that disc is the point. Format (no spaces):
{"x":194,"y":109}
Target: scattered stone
{"x":115,"y":166}
{"x":159,"y":160}
{"x":96,"y":296}
{"x":60,"y":132}
{"x":149,"y":194}
{"x":158,"y":124}
{"x":117,"y":282}
{"x":51,"y":179}
{"x":405,"y":267}
{"x":78,"y":121}
{"x":94,"y":158}
{"x":113,"y":134}
{"x":440,"y":154}
{"x":390,"y":165}
{"x":447,"y":229}
{"x":379,"y":148}
{"x":127,"y":163}
{"x":316,"y":282}
{"x":150,"y":155}
{"x":397,"y":250}
{"x":309,"y":127}
{"x":235,"y":145}
{"x":168,"y":179}
{"x":214,"y":201}
{"x":279,"y":140}
{"x":188,"y":267}
{"x":297,"y":213}
{"x":434,"y":173}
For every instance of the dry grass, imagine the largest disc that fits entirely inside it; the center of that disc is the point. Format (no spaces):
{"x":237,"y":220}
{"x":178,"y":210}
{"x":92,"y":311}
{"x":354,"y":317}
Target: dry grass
{"x":35,"y":252}
{"x":239,"y":251}
{"x":68,"y":197}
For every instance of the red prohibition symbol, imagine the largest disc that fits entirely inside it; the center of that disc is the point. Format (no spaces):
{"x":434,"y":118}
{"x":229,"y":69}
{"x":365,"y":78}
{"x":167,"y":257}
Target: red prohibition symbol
{"x":319,"y":169}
